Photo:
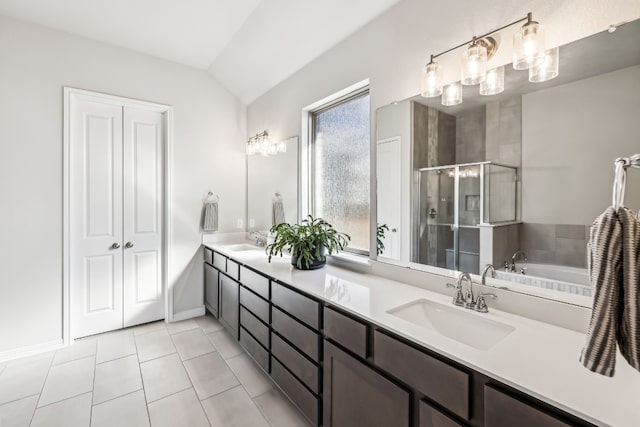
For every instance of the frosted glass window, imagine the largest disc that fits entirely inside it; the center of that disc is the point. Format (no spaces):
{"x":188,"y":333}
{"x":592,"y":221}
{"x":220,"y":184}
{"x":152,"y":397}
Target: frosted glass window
{"x":341,"y":168}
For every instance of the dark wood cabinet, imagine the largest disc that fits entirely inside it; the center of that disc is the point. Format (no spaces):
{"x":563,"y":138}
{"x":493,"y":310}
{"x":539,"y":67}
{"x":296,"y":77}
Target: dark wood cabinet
{"x":355,"y":395}
{"x":211,"y":289}
{"x":437,"y":380}
{"x":503,"y":410}
{"x":229,"y":304}
{"x":431,"y":417}
{"x":341,"y":370}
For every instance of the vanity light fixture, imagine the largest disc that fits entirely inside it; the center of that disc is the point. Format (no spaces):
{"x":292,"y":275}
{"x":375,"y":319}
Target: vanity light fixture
{"x":261,"y":144}
{"x":431,"y":80}
{"x":548,"y":68}
{"x":493,"y":82}
{"x":528,"y":45}
{"x":474,"y":63}
{"x":452,"y":94}
{"x":528,"y":52}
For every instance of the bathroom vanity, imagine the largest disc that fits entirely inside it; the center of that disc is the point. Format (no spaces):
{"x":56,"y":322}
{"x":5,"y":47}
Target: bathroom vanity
{"x":353,"y":349}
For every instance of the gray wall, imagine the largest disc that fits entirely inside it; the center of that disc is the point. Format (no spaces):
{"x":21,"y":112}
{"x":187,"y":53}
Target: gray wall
{"x":570,"y":137}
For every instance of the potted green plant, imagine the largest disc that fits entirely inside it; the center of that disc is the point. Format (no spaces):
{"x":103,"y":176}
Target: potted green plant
{"x":308,"y":242}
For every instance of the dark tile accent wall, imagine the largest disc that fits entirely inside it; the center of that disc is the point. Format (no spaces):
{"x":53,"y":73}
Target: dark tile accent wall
{"x":558,"y":244}
{"x":471,"y":136}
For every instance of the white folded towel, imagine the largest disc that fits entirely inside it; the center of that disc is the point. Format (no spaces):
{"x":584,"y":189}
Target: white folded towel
{"x":210,"y":217}
{"x":278,"y":211}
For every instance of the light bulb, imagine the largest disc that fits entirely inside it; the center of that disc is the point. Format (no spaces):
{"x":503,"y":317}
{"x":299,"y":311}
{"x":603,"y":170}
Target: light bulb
{"x":431,"y":80}
{"x":528,"y":46}
{"x":452,"y":94}
{"x":493,"y":83}
{"x":474,"y":64}
{"x":548,"y":69}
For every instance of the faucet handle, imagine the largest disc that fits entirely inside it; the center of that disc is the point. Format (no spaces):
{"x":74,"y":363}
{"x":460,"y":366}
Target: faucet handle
{"x":481,"y":304}
{"x":458,"y":298}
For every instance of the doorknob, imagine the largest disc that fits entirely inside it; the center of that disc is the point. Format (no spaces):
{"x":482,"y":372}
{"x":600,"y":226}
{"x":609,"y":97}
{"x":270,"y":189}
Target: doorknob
{"x":128,"y":245}
{"x":115,"y":246}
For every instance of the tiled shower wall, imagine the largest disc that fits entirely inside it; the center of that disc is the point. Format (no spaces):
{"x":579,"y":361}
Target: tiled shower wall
{"x":557,"y":244}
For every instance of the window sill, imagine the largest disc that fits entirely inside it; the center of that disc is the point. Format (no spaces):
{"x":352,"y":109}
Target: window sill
{"x":350,"y":260}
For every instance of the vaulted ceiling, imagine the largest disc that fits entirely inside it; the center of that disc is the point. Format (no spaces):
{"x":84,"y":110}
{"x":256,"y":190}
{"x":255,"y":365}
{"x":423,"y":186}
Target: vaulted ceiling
{"x":247,"y":45}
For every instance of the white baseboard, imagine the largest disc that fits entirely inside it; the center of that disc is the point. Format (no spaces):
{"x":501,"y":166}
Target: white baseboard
{"x":188,"y":314}
{"x":31,"y":350}
{"x":208,"y":307}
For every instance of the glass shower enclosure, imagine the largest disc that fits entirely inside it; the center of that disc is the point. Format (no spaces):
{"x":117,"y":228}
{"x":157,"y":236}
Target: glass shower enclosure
{"x":453,"y":203}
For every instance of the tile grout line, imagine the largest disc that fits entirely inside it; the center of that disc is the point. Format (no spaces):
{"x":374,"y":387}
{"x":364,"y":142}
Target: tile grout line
{"x":42,"y":388}
{"x":65,"y":399}
{"x":144,"y":392}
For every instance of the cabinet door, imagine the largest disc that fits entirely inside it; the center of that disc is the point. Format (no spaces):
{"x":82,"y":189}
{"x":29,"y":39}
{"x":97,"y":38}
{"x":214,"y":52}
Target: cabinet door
{"x":211,"y":289}
{"x":229,"y":304}
{"x":356,"y":395}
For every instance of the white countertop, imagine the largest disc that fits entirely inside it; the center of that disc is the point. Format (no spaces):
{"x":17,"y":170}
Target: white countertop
{"x":536,"y":358}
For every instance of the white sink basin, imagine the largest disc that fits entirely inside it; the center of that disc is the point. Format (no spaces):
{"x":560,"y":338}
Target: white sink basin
{"x":456,"y":323}
{"x":243,"y":247}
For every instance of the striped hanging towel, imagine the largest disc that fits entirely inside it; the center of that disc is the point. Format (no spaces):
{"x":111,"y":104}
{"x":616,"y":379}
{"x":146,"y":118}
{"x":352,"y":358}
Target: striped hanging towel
{"x":210,"y":217}
{"x":599,"y":352}
{"x":278,"y":211}
{"x":629,"y":329}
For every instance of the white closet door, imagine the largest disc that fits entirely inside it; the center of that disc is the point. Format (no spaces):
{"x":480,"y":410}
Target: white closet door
{"x":143,"y":172}
{"x":388,"y":170}
{"x":95,"y":216}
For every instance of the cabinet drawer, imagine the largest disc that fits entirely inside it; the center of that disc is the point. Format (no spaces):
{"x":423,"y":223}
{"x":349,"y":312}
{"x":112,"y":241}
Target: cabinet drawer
{"x":253,"y":347}
{"x":435,"y":379}
{"x":302,"y":368}
{"x":302,"y":397}
{"x":295,"y":304}
{"x":255,"y":304}
{"x":254,"y":281}
{"x":299,"y":335}
{"x":220,"y":261}
{"x":208,"y":256}
{"x":502,"y":410}
{"x":251,"y":323}
{"x":233,"y":269}
{"x":346,"y":331}
{"x":431,"y":417}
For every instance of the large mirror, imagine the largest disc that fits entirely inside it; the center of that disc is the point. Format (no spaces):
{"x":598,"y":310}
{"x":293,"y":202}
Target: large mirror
{"x":516,"y":179}
{"x":272,"y":188}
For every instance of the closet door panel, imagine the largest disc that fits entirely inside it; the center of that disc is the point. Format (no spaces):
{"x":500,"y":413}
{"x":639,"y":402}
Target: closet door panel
{"x":143,"y":188}
{"x":95,"y":214}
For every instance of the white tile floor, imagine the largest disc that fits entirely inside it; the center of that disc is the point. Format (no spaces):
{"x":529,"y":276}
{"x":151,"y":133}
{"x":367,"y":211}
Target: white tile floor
{"x":187,"y":374}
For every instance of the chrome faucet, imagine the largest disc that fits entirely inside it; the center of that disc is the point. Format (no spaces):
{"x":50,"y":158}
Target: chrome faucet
{"x":469,"y":300}
{"x":514,"y":258}
{"x":260,"y":239}
{"x":485,"y":270}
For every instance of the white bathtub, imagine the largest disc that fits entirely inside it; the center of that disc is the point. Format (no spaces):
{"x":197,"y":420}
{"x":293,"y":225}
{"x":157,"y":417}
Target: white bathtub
{"x":556,"y":277}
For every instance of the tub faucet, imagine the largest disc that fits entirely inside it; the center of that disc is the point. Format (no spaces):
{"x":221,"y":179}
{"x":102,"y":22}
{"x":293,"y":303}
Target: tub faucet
{"x":485,"y":270}
{"x":514,"y":258}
